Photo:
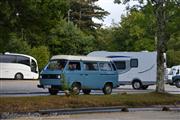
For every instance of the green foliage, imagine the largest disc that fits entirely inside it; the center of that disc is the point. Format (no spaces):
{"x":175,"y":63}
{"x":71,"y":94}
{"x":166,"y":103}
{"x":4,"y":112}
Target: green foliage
{"x":82,"y":12}
{"x":64,"y":82}
{"x":16,"y":44}
{"x":65,"y":38}
{"x":41,"y":54}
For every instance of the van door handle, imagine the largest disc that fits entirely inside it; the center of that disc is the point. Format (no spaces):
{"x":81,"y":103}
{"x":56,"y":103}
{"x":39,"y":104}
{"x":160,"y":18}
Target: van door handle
{"x":86,"y":74}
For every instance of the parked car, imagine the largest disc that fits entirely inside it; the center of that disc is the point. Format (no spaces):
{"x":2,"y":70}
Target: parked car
{"x":176,"y":80}
{"x":175,"y":71}
{"x":77,"y":73}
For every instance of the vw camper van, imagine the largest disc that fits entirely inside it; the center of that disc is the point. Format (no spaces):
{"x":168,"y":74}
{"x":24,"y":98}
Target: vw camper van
{"x":76,"y":73}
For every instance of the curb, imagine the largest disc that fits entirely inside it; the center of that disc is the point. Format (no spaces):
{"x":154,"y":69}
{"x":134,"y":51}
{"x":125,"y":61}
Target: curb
{"x":109,"y":109}
{"x":70,"y":111}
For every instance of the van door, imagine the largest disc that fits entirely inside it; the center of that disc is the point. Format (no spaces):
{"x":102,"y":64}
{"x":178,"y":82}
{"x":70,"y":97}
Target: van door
{"x":107,"y":73}
{"x":73,"y":72}
{"x":91,"y":75}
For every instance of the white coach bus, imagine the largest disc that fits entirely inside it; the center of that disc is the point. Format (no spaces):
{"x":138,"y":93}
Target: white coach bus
{"x":18,"y":66}
{"x":135,"y":68}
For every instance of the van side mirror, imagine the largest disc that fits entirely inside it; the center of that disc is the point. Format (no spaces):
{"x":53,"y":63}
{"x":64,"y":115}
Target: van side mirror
{"x":177,"y":72}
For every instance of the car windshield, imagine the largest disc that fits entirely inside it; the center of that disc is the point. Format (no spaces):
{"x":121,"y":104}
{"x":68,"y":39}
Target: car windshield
{"x":56,"y":64}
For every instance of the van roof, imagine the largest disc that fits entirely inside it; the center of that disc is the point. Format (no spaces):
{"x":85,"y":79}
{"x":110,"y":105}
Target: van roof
{"x":83,"y":58}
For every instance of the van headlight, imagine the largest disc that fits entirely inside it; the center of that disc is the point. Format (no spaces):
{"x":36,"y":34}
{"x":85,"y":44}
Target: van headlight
{"x":59,"y":76}
{"x":40,"y":76}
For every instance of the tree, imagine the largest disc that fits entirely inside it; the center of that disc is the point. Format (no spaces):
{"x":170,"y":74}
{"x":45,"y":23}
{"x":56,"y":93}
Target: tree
{"x":66,"y":38}
{"x":41,"y":54}
{"x":159,"y":7}
{"x":83,"y":12}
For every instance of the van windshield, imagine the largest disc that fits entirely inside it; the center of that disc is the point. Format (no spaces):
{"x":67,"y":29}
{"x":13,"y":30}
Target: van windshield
{"x":57,"y":64}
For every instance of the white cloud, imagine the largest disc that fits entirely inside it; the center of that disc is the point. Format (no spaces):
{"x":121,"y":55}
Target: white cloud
{"x":115,"y":10}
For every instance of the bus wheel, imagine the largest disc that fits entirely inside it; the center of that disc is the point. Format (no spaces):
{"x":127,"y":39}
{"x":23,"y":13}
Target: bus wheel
{"x":144,"y":87}
{"x":107,"y":89}
{"x":75,"y":89}
{"x":87,"y":92}
{"x":177,"y":83}
{"x":137,"y":85}
{"x":18,"y":76}
{"x":53,"y":91}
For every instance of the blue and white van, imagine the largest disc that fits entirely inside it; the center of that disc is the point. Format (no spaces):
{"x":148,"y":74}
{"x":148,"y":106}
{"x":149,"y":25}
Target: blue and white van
{"x":77,"y":73}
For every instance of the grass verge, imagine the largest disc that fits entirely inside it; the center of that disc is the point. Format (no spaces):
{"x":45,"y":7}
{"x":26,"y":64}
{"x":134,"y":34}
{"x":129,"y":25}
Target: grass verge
{"x":32,"y":104}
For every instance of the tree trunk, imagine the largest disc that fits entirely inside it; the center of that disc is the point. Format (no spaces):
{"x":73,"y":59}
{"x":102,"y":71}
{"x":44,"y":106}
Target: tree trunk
{"x":161,"y":45}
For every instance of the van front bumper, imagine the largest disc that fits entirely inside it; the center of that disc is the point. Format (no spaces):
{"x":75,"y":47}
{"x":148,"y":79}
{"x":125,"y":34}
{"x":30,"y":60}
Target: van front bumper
{"x":50,"y":86}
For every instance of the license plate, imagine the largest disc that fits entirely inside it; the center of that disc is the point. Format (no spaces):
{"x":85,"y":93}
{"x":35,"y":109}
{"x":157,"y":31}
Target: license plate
{"x":47,"y":86}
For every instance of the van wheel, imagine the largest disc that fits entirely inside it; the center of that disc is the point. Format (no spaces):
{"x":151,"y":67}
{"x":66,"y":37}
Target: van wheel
{"x":75,"y":89}
{"x":137,"y":85}
{"x":144,"y":87}
{"x":53,"y":91}
{"x":87,"y":92}
{"x":177,"y":83}
{"x":107,"y":89}
{"x":18,"y":76}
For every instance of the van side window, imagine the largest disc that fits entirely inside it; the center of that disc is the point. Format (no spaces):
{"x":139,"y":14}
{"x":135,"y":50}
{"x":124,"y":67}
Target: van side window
{"x":74,"y":66}
{"x":120,"y":65}
{"x":134,"y":63}
{"x":90,"y":66}
{"x":105,"y":67}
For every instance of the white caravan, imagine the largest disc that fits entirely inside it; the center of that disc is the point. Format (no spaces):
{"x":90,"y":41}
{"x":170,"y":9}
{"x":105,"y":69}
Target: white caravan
{"x":175,"y":70}
{"x":135,"y":68}
{"x":18,"y":66}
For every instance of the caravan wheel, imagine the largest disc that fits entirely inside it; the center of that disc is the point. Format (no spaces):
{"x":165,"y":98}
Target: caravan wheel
{"x":137,"y":85}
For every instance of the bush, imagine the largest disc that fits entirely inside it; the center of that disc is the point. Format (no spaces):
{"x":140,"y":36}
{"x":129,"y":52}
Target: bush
{"x":41,"y":54}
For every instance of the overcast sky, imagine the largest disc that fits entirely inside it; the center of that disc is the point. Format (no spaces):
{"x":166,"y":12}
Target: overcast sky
{"x":115,"y":10}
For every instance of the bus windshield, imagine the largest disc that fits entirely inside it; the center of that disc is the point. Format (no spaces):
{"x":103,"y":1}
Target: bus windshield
{"x":56,"y":64}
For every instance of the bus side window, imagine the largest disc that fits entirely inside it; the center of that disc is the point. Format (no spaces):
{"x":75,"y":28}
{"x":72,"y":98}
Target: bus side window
{"x":23,"y":60}
{"x":33,"y":66}
{"x":8,"y":59}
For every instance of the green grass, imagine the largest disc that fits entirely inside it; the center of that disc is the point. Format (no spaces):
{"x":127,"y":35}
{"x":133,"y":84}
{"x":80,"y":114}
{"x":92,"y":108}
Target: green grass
{"x":32,"y":104}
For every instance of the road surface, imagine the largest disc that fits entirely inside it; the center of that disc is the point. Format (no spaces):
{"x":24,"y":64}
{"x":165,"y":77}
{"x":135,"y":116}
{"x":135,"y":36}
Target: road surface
{"x":140,"y":115}
{"x":29,"y":88}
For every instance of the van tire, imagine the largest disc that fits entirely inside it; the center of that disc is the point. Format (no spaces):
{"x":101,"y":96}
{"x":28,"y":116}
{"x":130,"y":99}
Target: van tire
{"x":53,"y":91}
{"x":107,"y":89}
{"x":75,"y":89}
{"x":86,"y":91}
{"x":177,"y":83}
{"x":137,"y":85}
{"x":18,"y":76}
{"x":144,"y":87}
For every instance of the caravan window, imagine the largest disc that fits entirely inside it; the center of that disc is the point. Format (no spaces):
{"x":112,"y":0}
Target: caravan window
{"x":120,"y":65}
{"x":134,"y":63}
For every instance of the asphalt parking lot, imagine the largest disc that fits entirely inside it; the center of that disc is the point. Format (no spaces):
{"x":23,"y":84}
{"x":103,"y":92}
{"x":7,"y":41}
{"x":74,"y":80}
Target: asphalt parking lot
{"x":29,"y":88}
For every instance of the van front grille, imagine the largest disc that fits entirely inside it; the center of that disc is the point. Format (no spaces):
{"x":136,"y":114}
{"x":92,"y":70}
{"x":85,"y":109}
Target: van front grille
{"x":49,"y":76}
